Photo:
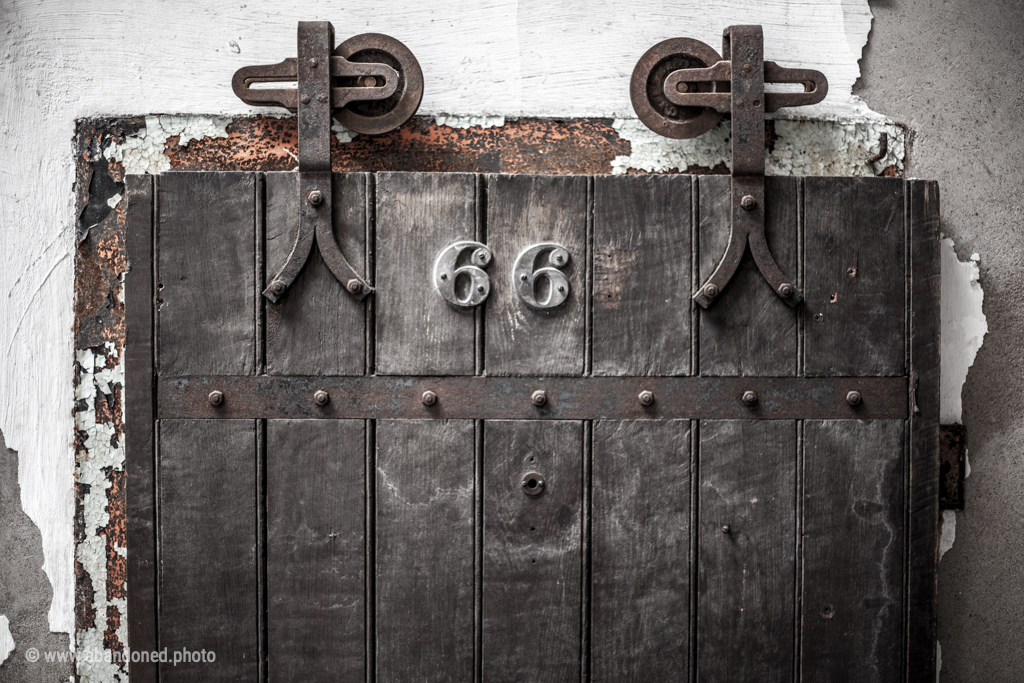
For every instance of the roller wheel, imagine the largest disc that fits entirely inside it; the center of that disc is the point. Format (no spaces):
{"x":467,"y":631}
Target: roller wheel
{"x":375,"y":117}
{"x":647,"y":88}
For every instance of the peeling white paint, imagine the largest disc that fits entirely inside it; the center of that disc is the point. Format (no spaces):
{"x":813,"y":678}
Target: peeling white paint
{"x":963,"y":327}
{"x":6,"y":639}
{"x":144,"y":152}
{"x":948,"y":535}
{"x":803,"y":148}
{"x":457,"y":121}
{"x":113,"y":201}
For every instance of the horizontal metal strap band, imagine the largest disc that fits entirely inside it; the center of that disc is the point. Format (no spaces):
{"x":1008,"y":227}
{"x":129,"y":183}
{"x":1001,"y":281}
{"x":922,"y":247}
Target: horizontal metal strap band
{"x":512,"y":398}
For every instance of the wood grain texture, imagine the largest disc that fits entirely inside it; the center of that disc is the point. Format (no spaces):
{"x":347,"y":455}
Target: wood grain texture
{"x":745,"y":581}
{"x":140,"y":457}
{"x":924,"y":425}
{"x":315,"y":550}
{"x":531,"y":555}
{"x":855,"y":290}
{"x":208,"y":573}
{"x":748,"y":330}
{"x":524,"y":210}
{"x":418,"y":215}
{"x":640,"y":551}
{"x":641,"y":275}
{"x":206,"y":273}
{"x":425,"y":550}
{"x":316,"y":328}
{"x":853,"y":550}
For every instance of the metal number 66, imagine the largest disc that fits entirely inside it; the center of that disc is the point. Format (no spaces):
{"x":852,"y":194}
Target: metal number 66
{"x":467,"y":285}
{"x":530,"y":279}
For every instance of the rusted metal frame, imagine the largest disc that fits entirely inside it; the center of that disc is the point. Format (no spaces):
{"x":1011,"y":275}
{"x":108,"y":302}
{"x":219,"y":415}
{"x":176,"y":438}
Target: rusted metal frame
{"x":513,"y":398}
{"x":140,"y":410}
{"x":314,"y":74}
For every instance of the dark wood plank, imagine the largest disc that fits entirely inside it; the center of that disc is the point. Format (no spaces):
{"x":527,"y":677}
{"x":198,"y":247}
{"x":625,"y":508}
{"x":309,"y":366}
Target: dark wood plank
{"x":924,"y":453}
{"x":316,"y":328}
{"x":418,"y":215}
{"x":532,"y":562}
{"x":748,"y":330}
{"x":316,"y":550}
{"x":642,"y":275}
{"x":425,"y":550}
{"x":855,"y":291}
{"x":140,"y":457}
{"x":206,"y":245}
{"x":746,"y":576}
{"x":852,"y":622}
{"x":208,"y":574}
{"x":524,"y":210}
{"x":640,"y":551}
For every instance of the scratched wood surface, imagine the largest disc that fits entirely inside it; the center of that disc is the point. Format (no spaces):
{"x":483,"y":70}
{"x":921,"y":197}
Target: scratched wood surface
{"x":531,"y":554}
{"x":746,"y":556}
{"x":316,"y":327}
{"x":208,"y":575}
{"x":524,"y":210}
{"x":425,"y":550}
{"x":853,"y":550}
{"x":855,"y":289}
{"x":418,"y":215}
{"x":748,"y":330}
{"x":640,"y":550}
{"x":641,"y":297}
{"x":206,"y":288}
{"x":315,"y":550}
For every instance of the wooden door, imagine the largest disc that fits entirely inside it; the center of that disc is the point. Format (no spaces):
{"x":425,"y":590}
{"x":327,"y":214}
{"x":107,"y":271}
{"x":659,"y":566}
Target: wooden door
{"x":486,"y":536}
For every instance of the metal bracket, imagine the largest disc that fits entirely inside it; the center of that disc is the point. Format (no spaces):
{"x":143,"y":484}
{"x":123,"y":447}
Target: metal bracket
{"x":681,"y":87}
{"x":372,"y":84}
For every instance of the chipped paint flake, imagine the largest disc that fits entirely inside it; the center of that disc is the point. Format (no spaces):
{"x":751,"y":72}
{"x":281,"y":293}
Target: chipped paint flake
{"x":836,"y":147}
{"x":963,"y":327}
{"x":113,"y":201}
{"x":459,"y":121}
{"x":6,"y":639}
{"x":145,"y":152}
{"x":342,"y":133}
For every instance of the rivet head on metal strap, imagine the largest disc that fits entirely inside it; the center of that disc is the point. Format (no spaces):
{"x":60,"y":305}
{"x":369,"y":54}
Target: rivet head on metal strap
{"x":749,"y":398}
{"x":315,"y":198}
{"x":428,"y":398}
{"x":533,"y":484}
{"x":646,"y":398}
{"x":785,"y":290}
{"x":710,"y":291}
{"x":321,"y":398}
{"x":539,"y":398}
{"x":355,"y":286}
{"x":313,"y":62}
{"x":854,"y":398}
{"x":277,"y":287}
{"x":726,"y":529}
{"x":305,"y":99}
{"x":216,"y":398}
{"x":747,"y":203}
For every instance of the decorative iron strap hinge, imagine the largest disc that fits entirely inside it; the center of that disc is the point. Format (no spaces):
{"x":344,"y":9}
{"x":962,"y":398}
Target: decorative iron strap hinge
{"x":371,"y":84}
{"x":681,"y":88}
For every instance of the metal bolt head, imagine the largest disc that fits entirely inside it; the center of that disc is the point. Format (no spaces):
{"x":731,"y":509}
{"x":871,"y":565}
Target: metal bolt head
{"x":216,"y":398}
{"x":354,"y":286}
{"x":539,"y":398}
{"x":749,"y":398}
{"x":726,"y":529}
{"x":854,"y":398}
{"x":646,"y":398}
{"x":533,"y":484}
{"x":322,"y":97}
{"x":785,"y":290}
{"x":277,"y":287}
{"x":313,"y":62}
{"x":305,"y":99}
{"x":710,"y":291}
{"x":321,"y":397}
{"x":682,"y":87}
{"x":369,"y":82}
{"x":428,"y":398}
{"x":747,"y":203}
{"x":315,"y":198}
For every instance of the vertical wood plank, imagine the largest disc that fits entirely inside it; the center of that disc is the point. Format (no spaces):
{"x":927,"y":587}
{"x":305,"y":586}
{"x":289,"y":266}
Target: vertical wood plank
{"x":425,"y":550}
{"x":853,"y":550}
{"x":315,"y":544}
{"x":418,"y":332}
{"x":855,"y":277}
{"x":524,"y":210}
{"x":924,"y":426}
{"x":140,"y":456}
{"x":208,"y":573}
{"x":642,"y":275}
{"x":206,"y":274}
{"x":532,"y":563}
{"x":316,"y":328}
{"x":640,"y":550}
{"x":746,"y":548}
{"x":748,"y":330}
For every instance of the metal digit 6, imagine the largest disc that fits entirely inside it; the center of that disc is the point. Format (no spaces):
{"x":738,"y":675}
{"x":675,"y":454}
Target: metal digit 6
{"x":529,"y":278}
{"x":467,"y":285}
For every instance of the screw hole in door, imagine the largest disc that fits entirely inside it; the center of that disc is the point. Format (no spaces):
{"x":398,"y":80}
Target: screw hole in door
{"x":532,"y":484}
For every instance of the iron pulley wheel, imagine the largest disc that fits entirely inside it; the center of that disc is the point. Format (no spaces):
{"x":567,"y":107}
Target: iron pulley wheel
{"x":647,"y":88}
{"x":375,"y":117}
